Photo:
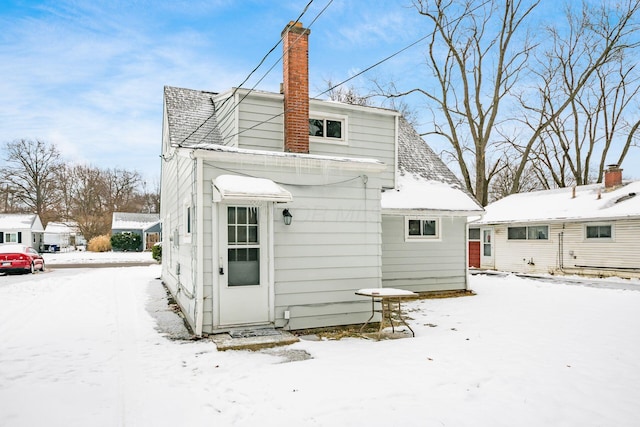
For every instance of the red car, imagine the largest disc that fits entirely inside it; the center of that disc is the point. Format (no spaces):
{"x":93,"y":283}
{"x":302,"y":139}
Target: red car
{"x":20,"y":258}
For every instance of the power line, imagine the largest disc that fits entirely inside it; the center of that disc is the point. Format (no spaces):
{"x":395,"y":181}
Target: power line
{"x":228,"y":113}
{"x":336,"y":85}
{"x":245,"y":80}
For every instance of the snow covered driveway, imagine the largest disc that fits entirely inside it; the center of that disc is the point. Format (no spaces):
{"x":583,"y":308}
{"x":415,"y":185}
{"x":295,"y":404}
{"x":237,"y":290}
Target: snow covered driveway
{"x":84,"y":347}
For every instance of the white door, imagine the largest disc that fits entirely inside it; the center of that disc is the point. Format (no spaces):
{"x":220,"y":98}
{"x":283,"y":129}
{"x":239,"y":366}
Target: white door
{"x":243,"y":265}
{"x":486,"y":251}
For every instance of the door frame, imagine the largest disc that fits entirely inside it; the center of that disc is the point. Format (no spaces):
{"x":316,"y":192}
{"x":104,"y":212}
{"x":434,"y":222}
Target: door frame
{"x":219,"y":260}
{"x":487,"y":261}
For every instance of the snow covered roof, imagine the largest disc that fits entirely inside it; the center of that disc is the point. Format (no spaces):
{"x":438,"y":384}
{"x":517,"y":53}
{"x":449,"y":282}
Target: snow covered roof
{"x":191,"y":117}
{"x":424,"y":182}
{"x":61,"y":227}
{"x":17,"y":221}
{"x":591,"y":203}
{"x":137,"y":221}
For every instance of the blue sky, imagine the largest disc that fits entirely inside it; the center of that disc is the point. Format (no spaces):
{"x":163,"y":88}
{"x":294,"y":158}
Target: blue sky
{"x":88,"y":75}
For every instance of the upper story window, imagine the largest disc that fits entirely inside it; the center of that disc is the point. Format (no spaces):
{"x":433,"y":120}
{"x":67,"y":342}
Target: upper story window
{"x":536,"y":232}
{"x":422,"y":229}
{"x":599,"y":232}
{"x":328,"y":128}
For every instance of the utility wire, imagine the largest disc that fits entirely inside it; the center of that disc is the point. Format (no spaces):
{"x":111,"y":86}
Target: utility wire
{"x":237,"y":105}
{"x":245,"y":80}
{"x":336,"y":85}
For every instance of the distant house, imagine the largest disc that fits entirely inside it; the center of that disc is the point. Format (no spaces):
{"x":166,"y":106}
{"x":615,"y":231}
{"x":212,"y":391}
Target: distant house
{"x":62,"y":235}
{"x":21,"y":228}
{"x":589,"y":229}
{"x":277,"y":208}
{"x":147,"y":226}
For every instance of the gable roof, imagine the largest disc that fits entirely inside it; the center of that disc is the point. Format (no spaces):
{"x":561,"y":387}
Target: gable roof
{"x":424,"y":182}
{"x":18,"y":221}
{"x":191,"y":117}
{"x":61,"y":227}
{"x":137,"y":221}
{"x":591,"y":203}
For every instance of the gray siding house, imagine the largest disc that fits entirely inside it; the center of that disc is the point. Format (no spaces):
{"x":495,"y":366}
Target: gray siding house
{"x":21,"y":228}
{"x":145,"y":225}
{"x":276,"y":208}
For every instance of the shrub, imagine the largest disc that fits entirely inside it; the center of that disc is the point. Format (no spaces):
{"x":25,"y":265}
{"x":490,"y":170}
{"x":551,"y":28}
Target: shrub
{"x":156,"y":252}
{"x":99,"y":244}
{"x":126,"y":241}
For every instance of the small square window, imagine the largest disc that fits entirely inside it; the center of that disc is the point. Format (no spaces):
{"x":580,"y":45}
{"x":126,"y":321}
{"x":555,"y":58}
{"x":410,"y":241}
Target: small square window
{"x":474,"y":234}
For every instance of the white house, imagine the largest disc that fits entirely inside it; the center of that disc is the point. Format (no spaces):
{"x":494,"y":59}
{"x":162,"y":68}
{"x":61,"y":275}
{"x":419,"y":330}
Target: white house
{"x":589,"y":229}
{"x":277,"y":208}
{"x":62,"y":235}
{"x":21,"y":228}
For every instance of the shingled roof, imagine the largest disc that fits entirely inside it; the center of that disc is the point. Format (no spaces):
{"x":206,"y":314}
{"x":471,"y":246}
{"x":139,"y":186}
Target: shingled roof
{"x":191,"y":116}
{"x":424,"y":182}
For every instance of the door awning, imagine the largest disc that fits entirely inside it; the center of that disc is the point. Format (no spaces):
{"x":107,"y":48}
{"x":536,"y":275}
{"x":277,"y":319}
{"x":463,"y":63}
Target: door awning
{"x":234,"y":187}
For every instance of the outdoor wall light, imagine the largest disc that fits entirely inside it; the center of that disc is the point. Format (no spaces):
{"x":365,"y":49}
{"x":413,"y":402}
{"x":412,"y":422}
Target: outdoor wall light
{"x":287,"y":217}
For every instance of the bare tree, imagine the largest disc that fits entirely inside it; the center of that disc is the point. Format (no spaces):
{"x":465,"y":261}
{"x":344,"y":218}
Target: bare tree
{"x":475,"y":65}
{"x":91,"y":202}
{"x":30,"y":176}
{"x":574,"y":79}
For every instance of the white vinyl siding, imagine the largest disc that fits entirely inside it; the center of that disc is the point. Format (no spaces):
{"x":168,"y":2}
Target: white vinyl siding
{"x":369,"y":133}
{"x":261,"y":123}
{"x":424,"y":266}
{"x":330,"y":250}
{"x":568,"y":246}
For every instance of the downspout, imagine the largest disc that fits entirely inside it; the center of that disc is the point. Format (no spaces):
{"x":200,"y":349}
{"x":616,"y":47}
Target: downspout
{"x":466,"y":254}
{"x":199,"y":246}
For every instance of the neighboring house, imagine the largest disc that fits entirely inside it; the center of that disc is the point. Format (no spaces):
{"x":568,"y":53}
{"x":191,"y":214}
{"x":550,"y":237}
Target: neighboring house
{"x":277,"y":208}
{"x":21,"y":228}
{"x":147,"y":226}
{"x":588,"y":229}
{"x":62,"y":235}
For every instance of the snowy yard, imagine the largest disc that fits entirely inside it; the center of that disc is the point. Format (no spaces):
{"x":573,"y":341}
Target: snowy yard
{"x":91,"y":347}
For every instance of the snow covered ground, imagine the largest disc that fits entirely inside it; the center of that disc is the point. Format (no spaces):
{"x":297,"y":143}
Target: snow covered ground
{"x":98,"y":347}
{"x":83,"y":257}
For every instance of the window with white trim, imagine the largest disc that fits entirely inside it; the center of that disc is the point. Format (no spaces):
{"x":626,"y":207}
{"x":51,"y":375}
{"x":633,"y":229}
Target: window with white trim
{"x":11,"y":237}
{"x":331,"y":128}
{"x":604,"y":231}
{"x":422,"y":228}
{"x":536,"y":232}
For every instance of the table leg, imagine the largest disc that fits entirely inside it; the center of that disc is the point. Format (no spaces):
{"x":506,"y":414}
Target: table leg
{"x":373,"y":313}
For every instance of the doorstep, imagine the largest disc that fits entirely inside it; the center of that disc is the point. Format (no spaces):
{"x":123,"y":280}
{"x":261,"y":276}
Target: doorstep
{"x":253,"y":339}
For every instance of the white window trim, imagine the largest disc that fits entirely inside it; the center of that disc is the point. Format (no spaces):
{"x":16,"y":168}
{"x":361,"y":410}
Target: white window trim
{"x":331,"y":116}
{"x":436,"y":238}
{"x":11,"y":233}
{"x":187,"y":229}
{"x":599,"y":239}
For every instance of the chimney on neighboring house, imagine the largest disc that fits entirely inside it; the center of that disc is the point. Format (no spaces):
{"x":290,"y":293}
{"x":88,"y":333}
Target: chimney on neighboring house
{"x":612,"y":177}
{"x":295,"y":87}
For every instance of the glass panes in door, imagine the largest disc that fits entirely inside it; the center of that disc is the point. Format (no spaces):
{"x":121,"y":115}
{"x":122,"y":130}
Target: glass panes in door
{"x":243,"y":249}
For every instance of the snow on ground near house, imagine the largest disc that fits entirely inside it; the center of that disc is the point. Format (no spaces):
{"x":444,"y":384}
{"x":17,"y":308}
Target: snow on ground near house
{"x":92,"y":347}
{"x":83,"y":257}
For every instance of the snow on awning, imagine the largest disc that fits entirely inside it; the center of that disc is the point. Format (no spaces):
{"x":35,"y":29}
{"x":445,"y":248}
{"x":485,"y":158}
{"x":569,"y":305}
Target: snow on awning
{"x":234,"y":187}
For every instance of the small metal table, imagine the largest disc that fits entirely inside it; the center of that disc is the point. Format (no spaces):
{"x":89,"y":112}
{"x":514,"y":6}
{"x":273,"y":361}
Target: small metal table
{"x":389,"y":299}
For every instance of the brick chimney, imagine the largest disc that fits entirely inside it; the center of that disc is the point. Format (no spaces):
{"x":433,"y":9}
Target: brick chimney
{"x":296,"y":88}
{"x":612,"y":177}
